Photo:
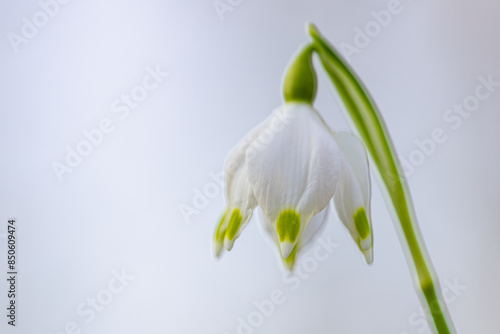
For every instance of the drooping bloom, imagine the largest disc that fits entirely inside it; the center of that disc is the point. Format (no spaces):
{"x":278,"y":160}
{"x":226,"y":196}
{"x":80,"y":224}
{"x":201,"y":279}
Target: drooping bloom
{"x":291,"y":166}
{"x":293,"y":171}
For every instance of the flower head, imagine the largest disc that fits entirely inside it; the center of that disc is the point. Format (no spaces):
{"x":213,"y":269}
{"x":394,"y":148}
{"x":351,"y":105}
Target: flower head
{"x":291,"y":166}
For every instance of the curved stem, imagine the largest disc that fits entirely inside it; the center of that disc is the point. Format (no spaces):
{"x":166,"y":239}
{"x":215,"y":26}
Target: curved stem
{"x":368,"y":122}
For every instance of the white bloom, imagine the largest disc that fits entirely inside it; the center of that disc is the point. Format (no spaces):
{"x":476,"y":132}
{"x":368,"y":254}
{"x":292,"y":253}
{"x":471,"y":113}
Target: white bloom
{"x":352,"y":198}
{"x":291,"y":166}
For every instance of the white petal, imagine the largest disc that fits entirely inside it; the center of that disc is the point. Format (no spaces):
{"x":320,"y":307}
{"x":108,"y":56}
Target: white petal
{"x":352,"y":199}
{"x":267,"y":227}
{"x":293,"y":168}
{"x":240,"y":198}
{"x":241,"y":201}
{"x":235,"y":160}
{"x":314,"y":227}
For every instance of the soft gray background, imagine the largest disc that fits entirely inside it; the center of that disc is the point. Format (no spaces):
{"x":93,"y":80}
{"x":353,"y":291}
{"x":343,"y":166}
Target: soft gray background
{"x":120,"y":207}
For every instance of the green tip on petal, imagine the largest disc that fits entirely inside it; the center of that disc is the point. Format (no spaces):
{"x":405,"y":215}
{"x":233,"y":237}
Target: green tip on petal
{"x":220,"y":234}
{"x":364,"y":232}
{"x":288,"y":225}
{"x":232,"y":229}
{"x":288,"y":228}
{"x":361,"y":223}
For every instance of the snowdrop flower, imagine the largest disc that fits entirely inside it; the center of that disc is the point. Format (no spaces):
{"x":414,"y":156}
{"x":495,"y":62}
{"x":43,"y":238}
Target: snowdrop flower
{"x":291,"y":166}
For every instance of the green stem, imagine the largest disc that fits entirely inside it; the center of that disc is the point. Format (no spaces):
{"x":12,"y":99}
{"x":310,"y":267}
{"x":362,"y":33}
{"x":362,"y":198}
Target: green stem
{"x":369,"y":123}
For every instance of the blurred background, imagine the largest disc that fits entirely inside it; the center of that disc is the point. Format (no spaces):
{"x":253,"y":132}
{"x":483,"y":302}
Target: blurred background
{"x":116,"y":117}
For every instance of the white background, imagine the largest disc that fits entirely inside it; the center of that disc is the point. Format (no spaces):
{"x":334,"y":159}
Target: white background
{"x":120,"y":207}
